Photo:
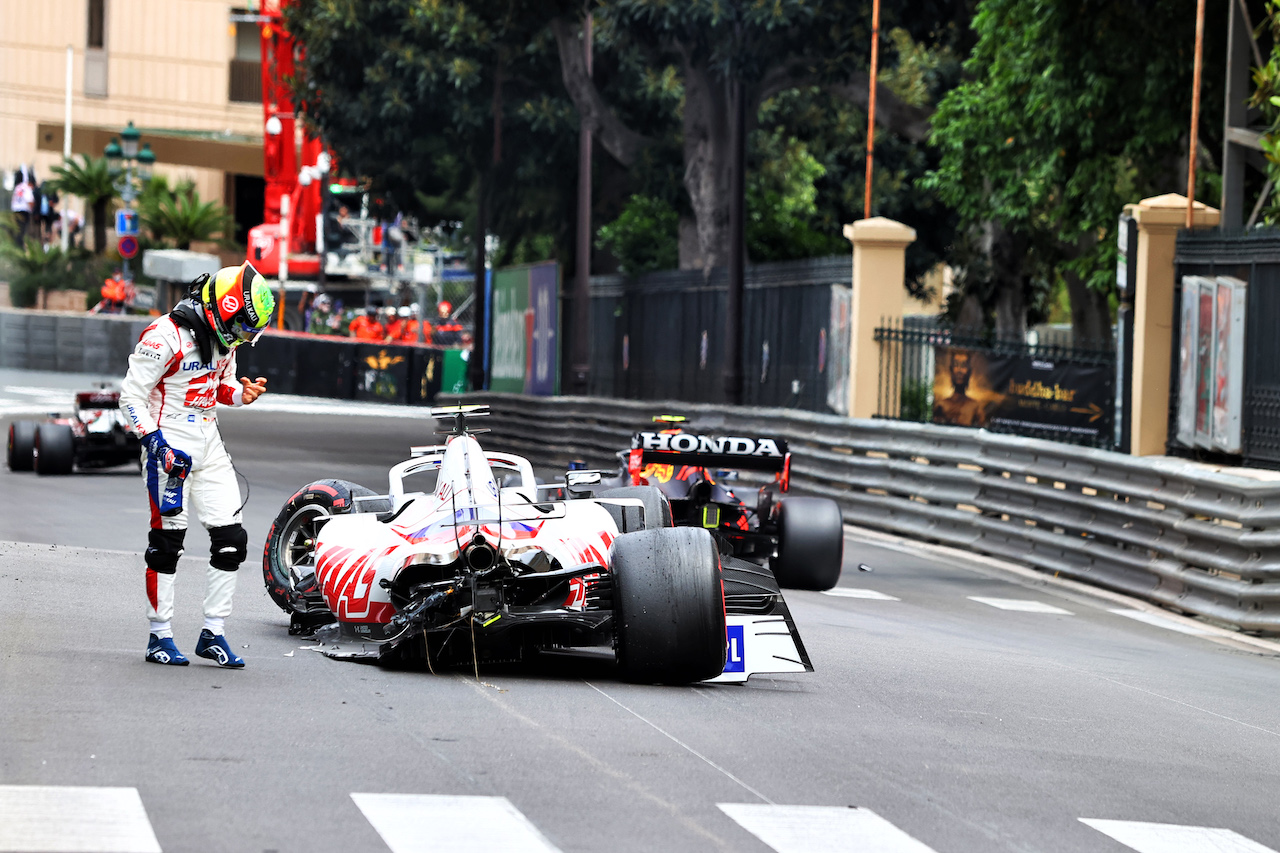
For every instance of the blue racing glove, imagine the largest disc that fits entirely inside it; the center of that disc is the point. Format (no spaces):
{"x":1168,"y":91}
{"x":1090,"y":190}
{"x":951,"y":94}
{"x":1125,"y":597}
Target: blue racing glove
{"x":160,"y":451}
{"x":176,"y":464}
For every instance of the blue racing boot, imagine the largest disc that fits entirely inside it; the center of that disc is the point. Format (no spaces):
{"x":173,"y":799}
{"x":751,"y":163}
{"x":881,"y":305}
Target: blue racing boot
{"x":164,"y":651}
{"x":215,"y":648}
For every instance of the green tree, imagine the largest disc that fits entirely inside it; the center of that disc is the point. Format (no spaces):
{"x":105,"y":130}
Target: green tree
{"x":90,"y":179}
{"x":34,"y":267}
{"x":178,"y":216}
{"x":1070,"y":109}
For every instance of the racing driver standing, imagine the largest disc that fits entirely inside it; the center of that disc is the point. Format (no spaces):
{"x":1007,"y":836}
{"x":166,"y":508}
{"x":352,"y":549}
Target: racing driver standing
{"x":183,"y":366}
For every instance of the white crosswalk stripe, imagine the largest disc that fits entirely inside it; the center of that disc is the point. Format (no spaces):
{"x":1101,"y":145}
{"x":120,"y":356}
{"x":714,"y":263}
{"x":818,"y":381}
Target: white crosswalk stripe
{"x":49,"y":819}
{"x":422,"y":823}
{"x":1160,"y":621}
{"x":1020,"y":604}
{"x":851,"y":592}
{"x":1172,"y":838}
{"x":822,"y":829}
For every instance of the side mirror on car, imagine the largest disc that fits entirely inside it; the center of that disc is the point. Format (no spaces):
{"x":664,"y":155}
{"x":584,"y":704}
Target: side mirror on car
{"x":577,"y":479}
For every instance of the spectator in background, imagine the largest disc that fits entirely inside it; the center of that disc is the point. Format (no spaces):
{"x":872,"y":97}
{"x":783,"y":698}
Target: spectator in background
{"x":367,"y":327}
{"x":448,"y":332}
{"x":324,"y":320}
{"x":21,"y":205}
{"x":48,"y":211}
{"x":407,"y":331}
{"x":71,"y":220}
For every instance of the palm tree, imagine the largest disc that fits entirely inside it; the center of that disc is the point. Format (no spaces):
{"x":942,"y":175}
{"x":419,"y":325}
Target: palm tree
{"x":34,"y":266}
{"x":91,"y":180}
{"x":179,"y":215}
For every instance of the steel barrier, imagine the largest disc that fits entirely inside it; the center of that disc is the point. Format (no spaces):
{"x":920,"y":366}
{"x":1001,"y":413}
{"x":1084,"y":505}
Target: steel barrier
{"x":1192,"y":538}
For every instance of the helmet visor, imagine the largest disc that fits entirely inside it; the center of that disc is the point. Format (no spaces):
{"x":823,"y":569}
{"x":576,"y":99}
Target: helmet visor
{"x":243,"y":332}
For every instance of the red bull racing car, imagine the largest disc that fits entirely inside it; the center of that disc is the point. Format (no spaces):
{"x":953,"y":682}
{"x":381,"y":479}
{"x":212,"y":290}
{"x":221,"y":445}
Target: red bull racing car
{"x":466,"y":560}
{"x":801,"y":539}
{"x":94,"y":435}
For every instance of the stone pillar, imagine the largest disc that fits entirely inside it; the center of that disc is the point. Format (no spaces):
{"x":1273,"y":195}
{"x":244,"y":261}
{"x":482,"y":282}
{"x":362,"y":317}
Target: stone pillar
{"x":879,"y":273}
{"x":1159,"y":220}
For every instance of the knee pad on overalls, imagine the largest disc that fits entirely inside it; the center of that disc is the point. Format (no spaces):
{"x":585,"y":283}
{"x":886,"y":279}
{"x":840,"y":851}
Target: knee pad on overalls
{"x":228,"y":546}
{"x":164,"y":547}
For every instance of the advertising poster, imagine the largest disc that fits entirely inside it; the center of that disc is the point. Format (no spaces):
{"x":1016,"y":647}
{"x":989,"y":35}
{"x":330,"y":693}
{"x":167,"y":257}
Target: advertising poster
{"x":1023,"y":394}
{"x":1204,"y":362}
{"x":543,"y":346}
{"x":1228,"y":363}
{"x":838,"y":349}
{"x":510,"y":307}
{"x":1187,"y":343}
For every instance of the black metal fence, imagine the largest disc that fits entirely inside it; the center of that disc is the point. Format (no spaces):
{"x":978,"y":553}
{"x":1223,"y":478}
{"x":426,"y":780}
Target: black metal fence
{"x":1253,"y":257}
{"x":661,"y":335}
{"x":930,"y":373}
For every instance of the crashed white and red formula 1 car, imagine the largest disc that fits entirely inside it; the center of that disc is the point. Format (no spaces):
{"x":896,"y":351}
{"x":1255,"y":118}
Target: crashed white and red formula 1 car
{"x":479,"y":567}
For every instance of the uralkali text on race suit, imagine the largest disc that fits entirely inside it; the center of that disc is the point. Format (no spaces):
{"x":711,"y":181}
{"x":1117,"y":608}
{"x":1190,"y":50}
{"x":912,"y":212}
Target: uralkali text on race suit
{"x":170,"y":389}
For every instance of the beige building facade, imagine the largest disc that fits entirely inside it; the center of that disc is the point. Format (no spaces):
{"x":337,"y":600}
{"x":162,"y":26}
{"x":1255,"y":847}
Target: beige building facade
{"x":187,"y":73}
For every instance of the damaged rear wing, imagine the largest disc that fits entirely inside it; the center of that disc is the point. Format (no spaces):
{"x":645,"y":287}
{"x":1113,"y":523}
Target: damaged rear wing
{"x":744,"y":453}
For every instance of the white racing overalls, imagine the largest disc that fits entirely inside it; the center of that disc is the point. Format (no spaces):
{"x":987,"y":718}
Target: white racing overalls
{"x":170,"y":389}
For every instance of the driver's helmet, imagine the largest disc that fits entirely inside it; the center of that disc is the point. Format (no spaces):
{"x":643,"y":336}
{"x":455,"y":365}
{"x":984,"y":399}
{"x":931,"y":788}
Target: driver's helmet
{"x":237,"y":304}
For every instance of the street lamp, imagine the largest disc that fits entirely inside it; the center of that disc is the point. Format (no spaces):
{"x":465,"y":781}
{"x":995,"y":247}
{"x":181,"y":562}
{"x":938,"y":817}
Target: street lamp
{"x":126,"y":162}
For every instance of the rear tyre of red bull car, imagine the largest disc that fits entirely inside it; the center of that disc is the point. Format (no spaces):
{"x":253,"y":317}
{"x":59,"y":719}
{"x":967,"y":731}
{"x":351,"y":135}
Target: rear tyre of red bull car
{"x":668,"y":600}
{"x":288,"y":560}
{"x":810,"y":544}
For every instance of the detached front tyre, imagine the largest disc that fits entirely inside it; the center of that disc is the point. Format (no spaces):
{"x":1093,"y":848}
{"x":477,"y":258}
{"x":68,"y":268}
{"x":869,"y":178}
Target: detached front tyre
{"x":289,"y":560}
{"x":810,"y":544}
{"x":22,"y":443}
{"x":669,"y":622}
{"x":657,"y":511}
{"x":55,"y":449}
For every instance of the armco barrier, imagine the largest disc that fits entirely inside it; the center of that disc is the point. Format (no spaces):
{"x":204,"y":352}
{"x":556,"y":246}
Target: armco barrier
{"x":68,"y":342}
{"x":1192,"y":538}
{"x":293,"y":363}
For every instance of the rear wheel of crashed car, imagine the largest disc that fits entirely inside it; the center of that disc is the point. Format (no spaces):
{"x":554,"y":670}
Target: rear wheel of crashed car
{"x":668,"y":606}
{"x":657,"y":512}
{"x":55,"y":449}
{"x":810,"y":544}
{"x":22,"y":442}
{"x":288,"y":561}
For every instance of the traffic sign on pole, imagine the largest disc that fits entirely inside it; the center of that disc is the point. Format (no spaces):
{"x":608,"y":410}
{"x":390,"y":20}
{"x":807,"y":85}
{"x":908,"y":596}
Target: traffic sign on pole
{"x":126,"y":222}
{"x":128,"y":246}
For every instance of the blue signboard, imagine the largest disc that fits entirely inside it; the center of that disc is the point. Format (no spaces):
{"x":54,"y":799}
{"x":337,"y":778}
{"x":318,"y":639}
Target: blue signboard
{"x":126,"y":222}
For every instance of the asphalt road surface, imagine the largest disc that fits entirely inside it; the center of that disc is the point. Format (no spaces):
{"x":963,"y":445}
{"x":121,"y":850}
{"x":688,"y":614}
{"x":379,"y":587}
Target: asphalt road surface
{"x":956,"y":706}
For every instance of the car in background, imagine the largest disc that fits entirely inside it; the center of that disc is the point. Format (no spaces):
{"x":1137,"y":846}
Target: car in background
{"x":94,"y":435}
{"x":801,"y":539}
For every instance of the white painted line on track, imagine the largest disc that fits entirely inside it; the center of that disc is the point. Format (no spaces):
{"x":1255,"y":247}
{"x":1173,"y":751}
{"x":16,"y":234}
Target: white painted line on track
{"x":48,"y":819}
{"x":1171,"y":838}
{"x":426,"y":823}
{"x":850,"y":592}
{"x":1022,"y":605}
{"x":1161,"y":622}
{"x":822,"y":829}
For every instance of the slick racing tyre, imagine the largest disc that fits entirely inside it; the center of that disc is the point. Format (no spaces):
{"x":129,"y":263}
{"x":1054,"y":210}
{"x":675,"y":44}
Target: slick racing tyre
{"x":55,"y":449}
{"x":810,"y":544}
{"x":657,"y":512}
{"x":22,"y":443}
{"x":288,"y":561}
{"x":669,"y":622}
